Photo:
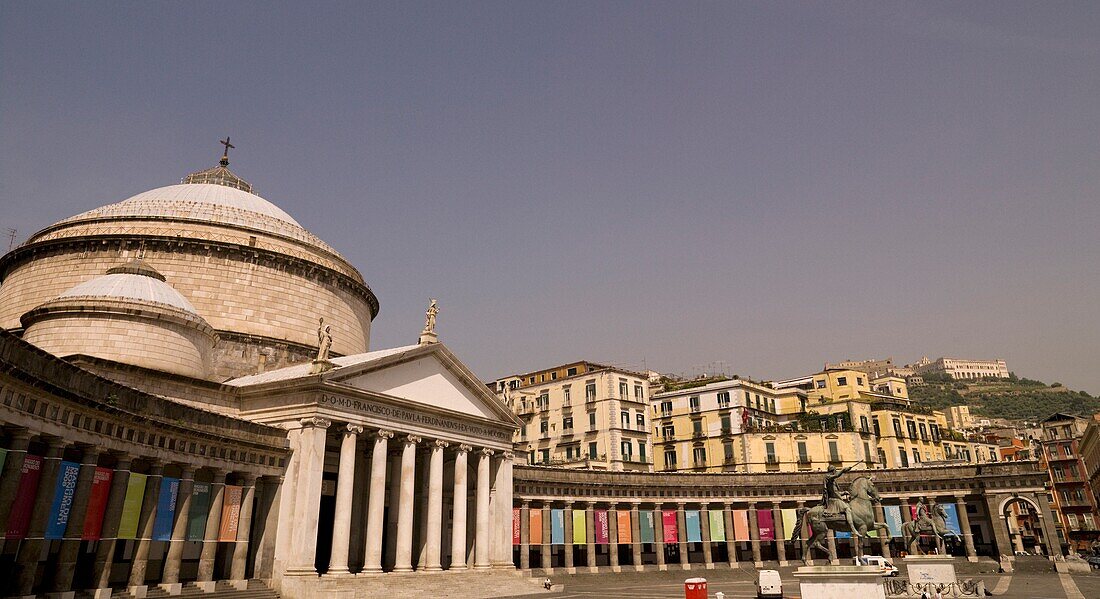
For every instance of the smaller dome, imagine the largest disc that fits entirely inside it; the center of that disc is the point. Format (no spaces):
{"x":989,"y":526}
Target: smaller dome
{"x":123,"y":282}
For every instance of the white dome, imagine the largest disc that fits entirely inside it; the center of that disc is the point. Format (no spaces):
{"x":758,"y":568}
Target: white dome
{"x":130,"y":286}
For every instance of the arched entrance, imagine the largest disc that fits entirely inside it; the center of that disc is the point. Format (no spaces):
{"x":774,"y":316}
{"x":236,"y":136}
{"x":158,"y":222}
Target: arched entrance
{"x":1022,"y":518}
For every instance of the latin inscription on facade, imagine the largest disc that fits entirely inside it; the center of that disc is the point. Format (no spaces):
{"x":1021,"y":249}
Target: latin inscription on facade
{"x":403,"y":415}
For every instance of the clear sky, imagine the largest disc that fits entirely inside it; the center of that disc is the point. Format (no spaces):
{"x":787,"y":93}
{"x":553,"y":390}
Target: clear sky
{"x":768,"y":185}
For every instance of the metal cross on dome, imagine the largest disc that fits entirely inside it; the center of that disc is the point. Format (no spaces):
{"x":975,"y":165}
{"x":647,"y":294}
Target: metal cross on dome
{"x":225,"y":155}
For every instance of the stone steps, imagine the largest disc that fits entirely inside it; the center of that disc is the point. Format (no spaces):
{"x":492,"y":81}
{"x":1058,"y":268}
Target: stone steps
{"x":222,"y":590}
{"x":452,"y":585}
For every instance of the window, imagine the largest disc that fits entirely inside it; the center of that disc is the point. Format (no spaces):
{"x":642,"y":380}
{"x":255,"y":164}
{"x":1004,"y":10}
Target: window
{"x":834,"y":454}
{"x":590,"y":391}
{"x":874,"y":421}
{"x":544,"y":400}
{"x":670,"y":459}
{"x":935,"y":432}
{"x":544,"y":426}
{"x":923,"y":432}
{"x":626,"y":449}
{"x":724,"y":399}
{"x":820,"y":384}
{"x":769,"y":449}
{"x":591,"y":421}
{"x":771,"y":405}
{"x":867,"y":452}
{"x":623,"y":389}
{"x":639,"y":393}
{"x":916,"y":456}
{"x":803,"y":454}
{"x":641,"y":451}
{"x":592,"y":450}
{"x":1072,"y":521}
{"x":863,"y":424}
{"x":624,"y":418}
{"x":697,"y":427}
{"x":666,"y":408}
{"x":545,"y":455}
{"x":693,"y":402}
{"x":882,"y":457}
{"x":553,"y":376}
{"x":639,"y":419}
{"x":727,"y":426}
{"x":571,"y":372}
{"x":569,"y":453}
{"x":841,"y":381}
{"x":668,"y":431}
{"x":699,"y":455}
{"x":727,"y":451}
{"x":859,"y":380}
{"x":565,"y":390}
{"x":567,"y":423}
{"x":904,"y":458}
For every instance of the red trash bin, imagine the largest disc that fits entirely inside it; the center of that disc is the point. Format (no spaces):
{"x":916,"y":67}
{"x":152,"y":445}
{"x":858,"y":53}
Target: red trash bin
{"x":695,"y":588}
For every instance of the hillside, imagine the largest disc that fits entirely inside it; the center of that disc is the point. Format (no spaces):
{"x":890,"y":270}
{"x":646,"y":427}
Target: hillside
{"x":1015,"y":399}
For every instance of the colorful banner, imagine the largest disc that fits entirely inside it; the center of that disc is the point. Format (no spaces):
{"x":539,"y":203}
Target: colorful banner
{"x":692,"y":524}
{"x":97,"y":503}
{"x":741,"y":525}
{"x":63,"y":495}
{"x":199,"y":512}
{"x":166,"y":508}
{"x":231,"y":514}
{"x":131,"y":506}
{"x":645,"y":526}
{"x":622,"y":524}
{"x":952,"y":518}
{"x":790,"y":521}
{"x":603,"y":531}
{"x":580,"y":535}
{"x":765,"y":521}
{"x":20,"y":516}
{"x":893,"y":520}
{"x":557,"y":527}
{"x":515,"y":526}
{"x":717,"y":526}
{"x":669,"y":528}
{"x":534,"y":524}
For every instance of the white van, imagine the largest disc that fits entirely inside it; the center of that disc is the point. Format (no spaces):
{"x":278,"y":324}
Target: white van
{"x":768,"y":584}
{"x":884,"y":565}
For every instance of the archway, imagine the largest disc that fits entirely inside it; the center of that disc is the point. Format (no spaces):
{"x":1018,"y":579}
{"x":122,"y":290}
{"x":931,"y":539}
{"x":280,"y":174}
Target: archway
{"x":1022,"y":518}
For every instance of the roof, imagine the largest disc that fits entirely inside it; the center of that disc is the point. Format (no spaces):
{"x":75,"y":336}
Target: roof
{"x":303,"y":370}
{"x":129,"y":286}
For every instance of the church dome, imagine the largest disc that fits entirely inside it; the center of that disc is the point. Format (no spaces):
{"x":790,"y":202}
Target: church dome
{"x":134,"y":281}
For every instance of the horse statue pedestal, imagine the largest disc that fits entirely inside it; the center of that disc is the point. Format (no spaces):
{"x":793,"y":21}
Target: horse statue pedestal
{"x":840,"y":582}
{"x":936,"y":569}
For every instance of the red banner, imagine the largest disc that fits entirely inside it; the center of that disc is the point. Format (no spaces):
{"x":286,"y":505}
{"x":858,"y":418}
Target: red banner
{"x":766,"y":524}
{"x":603,"y":534}
{"x":97,"y":503}
{"x":515,"y":526}
{"x":668,"y":518}
{"x":623,"y":525}
{"x":23,"y":504}
{"x":231,"y":514}
{"x":536,"y":527}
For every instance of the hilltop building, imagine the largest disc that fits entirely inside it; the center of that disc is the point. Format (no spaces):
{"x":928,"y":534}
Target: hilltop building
{"x":962,"y":369}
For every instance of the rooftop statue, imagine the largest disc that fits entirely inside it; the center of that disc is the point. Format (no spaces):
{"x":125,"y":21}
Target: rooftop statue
{"x":324,"y":340}
{"x":429,"y":316}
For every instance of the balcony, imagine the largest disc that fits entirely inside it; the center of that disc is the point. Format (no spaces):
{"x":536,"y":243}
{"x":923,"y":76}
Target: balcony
{"x":1068,"y":478}
{"x":667,"y":439}
{"x":699,"y":434}
{"x":567,"y":404}
{"x":1060,"y":457}
{"x":1074,"y":502}
{"x":695,"y":409}
{"x":804,"y":460}
{"x":729,"y":460}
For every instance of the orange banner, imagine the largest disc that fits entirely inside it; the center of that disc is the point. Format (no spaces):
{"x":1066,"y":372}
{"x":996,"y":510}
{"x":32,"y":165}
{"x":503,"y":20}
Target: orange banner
{"x":231,"y":514}
{"x":622,"y":521}
{"x":535,"y":521}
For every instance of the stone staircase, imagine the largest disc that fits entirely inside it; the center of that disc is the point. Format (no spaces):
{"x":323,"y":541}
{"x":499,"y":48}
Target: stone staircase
{"x":222,"y":590}
{"x":439,"y":585}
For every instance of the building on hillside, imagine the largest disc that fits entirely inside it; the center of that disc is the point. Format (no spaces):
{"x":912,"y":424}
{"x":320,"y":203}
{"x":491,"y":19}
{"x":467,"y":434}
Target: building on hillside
{"x":1074,"y":500}
{"x":958,"y":417}
{"x":581,"y":415}
{"x":872,"y":368}
{"x":962,"y":369}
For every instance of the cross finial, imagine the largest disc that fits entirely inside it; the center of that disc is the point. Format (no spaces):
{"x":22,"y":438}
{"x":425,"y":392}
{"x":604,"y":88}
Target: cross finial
{"x":225,"y":155}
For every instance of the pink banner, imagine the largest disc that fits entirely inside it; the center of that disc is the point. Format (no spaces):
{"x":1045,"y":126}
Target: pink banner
{"x":766,"y":524}
{"x":668,"y":519}
{"x":603,"y":536}
{"x":622,"y":521}
{"x":97,"y":503}
{"x":740,"y":525}
{"x":23,"y":504}
{"x":515,"y":526}
{"x":231,"y":514}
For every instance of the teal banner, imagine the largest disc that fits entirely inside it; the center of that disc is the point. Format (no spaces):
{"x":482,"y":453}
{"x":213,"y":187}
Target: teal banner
{"x":694,"y":531}
{"x":645,"y":525}
{"x":200,"y":507}
{"x":952,"y":518}
{"x":557,"y":527}
{"x":893,"y":520}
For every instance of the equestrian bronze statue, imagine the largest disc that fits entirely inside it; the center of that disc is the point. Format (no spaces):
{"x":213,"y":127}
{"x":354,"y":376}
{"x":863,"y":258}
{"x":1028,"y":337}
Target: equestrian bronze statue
{"x":932,"y":521}
{"x":852,"y":512}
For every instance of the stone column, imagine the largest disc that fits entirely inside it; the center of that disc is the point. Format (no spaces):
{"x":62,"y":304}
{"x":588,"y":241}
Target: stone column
{"x":372,"y":559}
{"x":30,"y":549}
{"x":731,"y":543}
{"x":1047,"y":522}
{"x":613,"y":537}
{"x":681,"y":536}
{"x":964,"y":524}
{"x":525,"y":535}
{"x":458,"y":517}
{"x":883,"y":531}
{"x":545,"y":550}
{"x":704,"y":529}
{"x":481,"y":548}
{"x":13,"y":468}
{"x":590,"y":536}
{"x":105,"y":548}
{"x":435,"y":507}
{"x":906,"y":513}
{"x":345,"y":492}
{"x":567,"y":516}
{"x":209,"y":551}
{"x":140,"y":561}
{"x":659,"y":536}
{"x":313,"y":435}
{"x":405,"y":508}
{"x":833,"y":559}
{"x":754,"y":535}
{"x":780,"y":532}
{"x":636,"y":536}
{"x":239,"y":567}
{"x":1000,"y":529}
{"x":507,"y":501}
{"x":803,"y":542}
{"x":170,"y":578}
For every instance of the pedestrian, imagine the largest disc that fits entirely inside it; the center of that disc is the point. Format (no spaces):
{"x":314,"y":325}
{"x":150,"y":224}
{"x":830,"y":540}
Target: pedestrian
{"x":939,"y":593}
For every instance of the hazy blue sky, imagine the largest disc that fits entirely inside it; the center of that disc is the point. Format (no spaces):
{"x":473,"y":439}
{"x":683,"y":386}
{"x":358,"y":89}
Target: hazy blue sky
{"x":771,"y":185}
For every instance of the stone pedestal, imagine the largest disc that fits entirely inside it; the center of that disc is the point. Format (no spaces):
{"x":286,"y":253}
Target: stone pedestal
{"x":840,"y":582}
{"x":937,"y":569}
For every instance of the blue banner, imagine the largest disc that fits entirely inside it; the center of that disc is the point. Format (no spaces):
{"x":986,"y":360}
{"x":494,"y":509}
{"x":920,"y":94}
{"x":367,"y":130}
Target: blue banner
{"x":557,"y":527}
{"x":691,"y":520}
{"x":893,"y":520}
{"x":166,"y":509}
{"x":952,"y":518}
{"x":645,"y":525}
{"x":840,"y":534}
{"x":63,"y":496}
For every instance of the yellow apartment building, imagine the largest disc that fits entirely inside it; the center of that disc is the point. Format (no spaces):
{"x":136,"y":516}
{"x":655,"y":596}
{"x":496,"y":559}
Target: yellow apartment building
{"x":581,"y":415}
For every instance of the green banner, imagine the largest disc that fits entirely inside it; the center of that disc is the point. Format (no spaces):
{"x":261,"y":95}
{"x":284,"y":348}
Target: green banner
{"x":579,"y":536}
{"x":200,"y":508}
{"x":717,"y":526}
{"x":645,"y":525}
{"x":131,"y":507}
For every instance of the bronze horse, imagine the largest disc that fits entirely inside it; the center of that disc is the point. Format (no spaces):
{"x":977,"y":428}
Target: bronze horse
{"x":862,"y":505}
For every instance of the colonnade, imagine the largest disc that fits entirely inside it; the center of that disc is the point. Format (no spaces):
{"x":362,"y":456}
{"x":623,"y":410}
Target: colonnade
{"x":686,"y":534}
{"x":398,"y":515}
{"x":105,"y":497}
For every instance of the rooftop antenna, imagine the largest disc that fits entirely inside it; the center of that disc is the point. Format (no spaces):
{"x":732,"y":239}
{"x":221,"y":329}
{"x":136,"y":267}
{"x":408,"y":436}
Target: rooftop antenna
{"x":11,"y":238}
